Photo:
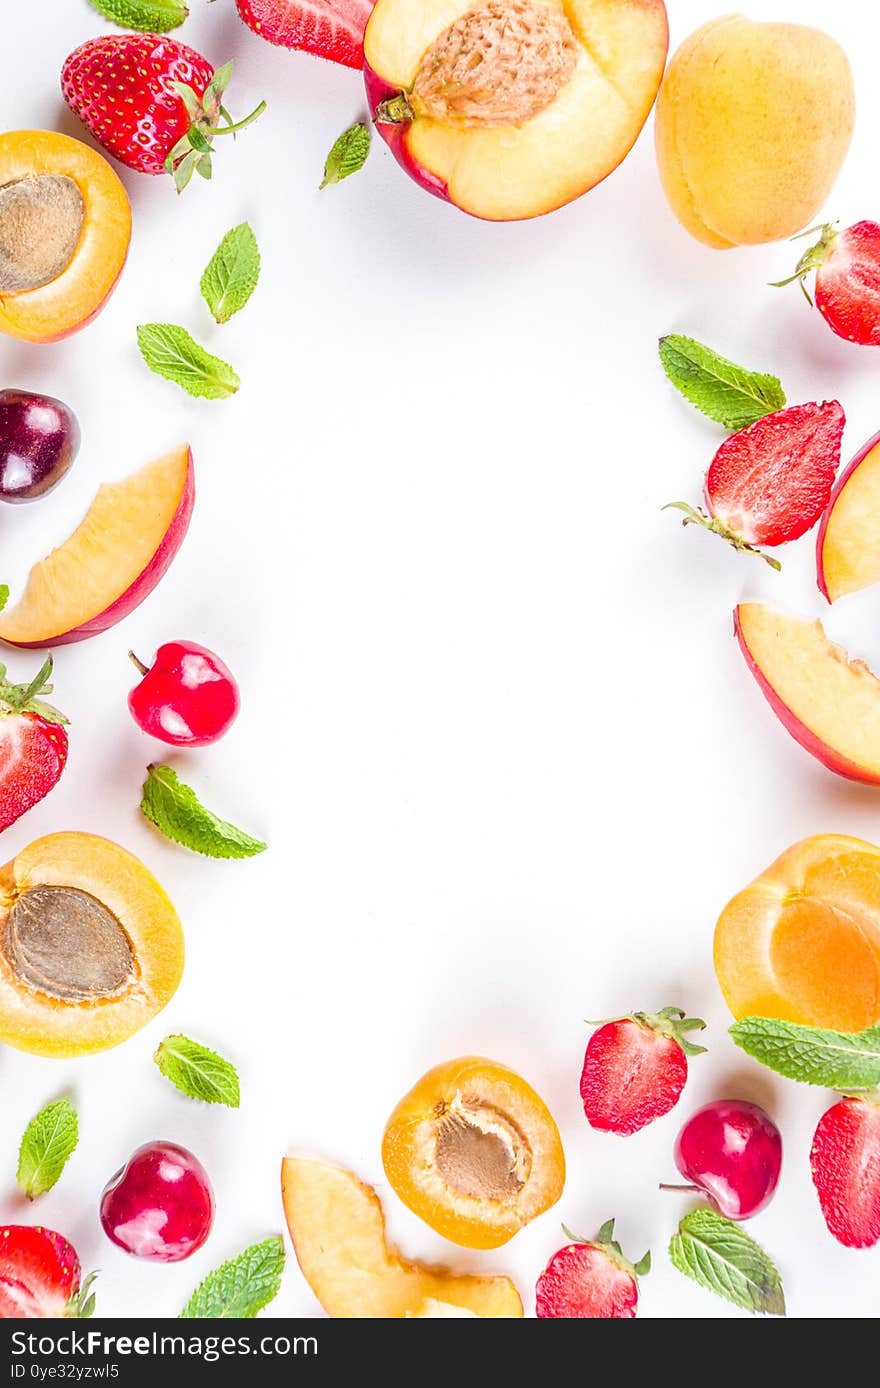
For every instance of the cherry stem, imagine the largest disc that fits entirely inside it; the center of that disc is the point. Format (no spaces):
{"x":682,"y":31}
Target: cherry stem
{"x":138,"y":664}
{"x":240,"y":125}
{"x":685,"y":1190}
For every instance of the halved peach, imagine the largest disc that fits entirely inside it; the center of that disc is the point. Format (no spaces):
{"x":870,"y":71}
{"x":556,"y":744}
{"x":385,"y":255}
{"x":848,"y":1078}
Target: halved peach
{"x":112,"y":561}
{"x":65,"y":225}
{"x":90,"y":946}
{"x":848,"y":543}
{"x":828,"y":702}
{"x":338,"y":1232}
{"x":802,"y":942}
{"x":474,"y":1151}
{"x":510,"y":108}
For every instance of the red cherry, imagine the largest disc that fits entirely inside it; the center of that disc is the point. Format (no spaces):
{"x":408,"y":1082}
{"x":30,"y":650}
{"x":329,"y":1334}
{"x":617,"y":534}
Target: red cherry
{"x":188,"y":697}
{"x":160,"y":1204}
{"x":732,"y":1151}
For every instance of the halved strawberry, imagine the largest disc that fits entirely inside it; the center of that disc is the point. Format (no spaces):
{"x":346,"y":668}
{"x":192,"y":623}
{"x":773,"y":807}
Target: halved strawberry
{"x":33,"y":744}
{"x":590,"y":1279}
{"x":847,"y":288}
{"x":40,"y":1275}
{"x":331,"y":29}
{"x":769,"y":483}
{"x":635,"y":1068}
{"x":845,"y":1162}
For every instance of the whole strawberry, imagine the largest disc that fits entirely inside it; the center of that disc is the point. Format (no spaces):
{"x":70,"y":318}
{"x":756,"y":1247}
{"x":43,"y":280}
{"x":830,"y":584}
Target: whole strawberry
{"x":153,"y":103}
{"x":769,"y":483}
{"x":331,"y":29}
{"x":847,"y":286}
{"x":40,"y":1275}
{"x":590,"y":1279}
{"x":845,"y":1162}
{"x":33,"y":744}
{"x":636,"y":1067}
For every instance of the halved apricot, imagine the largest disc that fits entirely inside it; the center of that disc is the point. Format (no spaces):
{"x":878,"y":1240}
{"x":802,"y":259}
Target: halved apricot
{"x":90,"y":946}
{"x":338,"y":1232}
{"x":474,"y":1152}
{"x":802,"y":942}
{"x":65,"y":225}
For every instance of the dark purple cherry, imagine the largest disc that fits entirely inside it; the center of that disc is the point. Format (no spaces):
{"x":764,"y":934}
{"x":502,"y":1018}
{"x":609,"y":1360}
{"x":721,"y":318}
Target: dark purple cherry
{"x":39,"y":439}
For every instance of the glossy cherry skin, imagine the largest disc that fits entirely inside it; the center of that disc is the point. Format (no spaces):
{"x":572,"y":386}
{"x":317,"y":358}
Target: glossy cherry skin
{"x":731,"y":1150}
{"x":160,"y":1205}
{"x":188,"y":697}
{"x":39,"y":439}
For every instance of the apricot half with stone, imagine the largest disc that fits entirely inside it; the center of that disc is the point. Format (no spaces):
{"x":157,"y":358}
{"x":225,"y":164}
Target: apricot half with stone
{"x":65,"y":225}
{"x":90,"y":946}
{"x":474,"y":1152}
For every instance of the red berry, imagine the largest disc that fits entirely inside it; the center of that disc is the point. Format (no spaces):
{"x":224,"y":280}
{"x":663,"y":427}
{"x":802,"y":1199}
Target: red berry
{"x":33,"y":744}
{"x":188,"y":697}
{"x":732,"y":1151}
{"x":845,"y":1162}
{"x":635,"y":1069}
{"x":847,"y":289}
{"x":590,"y":1280}
{"x":40,"y":1275}
{"x":331,"y":29}
{"x":160,"y":1205}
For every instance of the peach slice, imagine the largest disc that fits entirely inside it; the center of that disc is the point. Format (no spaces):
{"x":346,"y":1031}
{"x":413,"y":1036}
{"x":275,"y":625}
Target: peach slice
{"x":90,"y":946}
{"x":65,"y":225}
{"x":474,"y":1152}
{"x":848,"y":543}
{"x":111,"y":562}
{"x":828,"y":702}
{"x":338,"y":1232}
{"x":510,"y":108}
{"x":802,"y":942}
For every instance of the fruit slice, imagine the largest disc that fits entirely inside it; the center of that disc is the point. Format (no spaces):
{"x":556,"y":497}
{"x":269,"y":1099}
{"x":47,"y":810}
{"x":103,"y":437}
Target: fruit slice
{"x":65,"y":225}
{"x":590,"y":1280}
{"x":40,"y":1275}
{"x":112,"y":561}
{"x":474,"y":1152}
{"x":90,"y":946}
{"x":828,"y":702}
{"x":331,"y":29}
{"x":845,"y":1164}
{"x":511,"y":108}
{"x":802,"y":942}
{"x":338,"y":1232}
{"x":848,"y":545}
{"x":429,"y":1309}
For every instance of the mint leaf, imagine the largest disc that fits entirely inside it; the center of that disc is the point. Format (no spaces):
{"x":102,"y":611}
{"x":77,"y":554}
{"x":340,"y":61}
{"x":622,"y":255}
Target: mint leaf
{"x":172,"y":353}
{"x":349,"y":153}
{"x":240,"y":1287}
{"x":834,"y":1059}
{"x":4,"y":595}
{"x":727,"y":393}
{"x":49,"y":1139}
{"x":232,"y":273}
{"x":176,"y":812}
{"x":150,"y":16}
{"x":198,"y":1072}
{"x":722,"y":1257}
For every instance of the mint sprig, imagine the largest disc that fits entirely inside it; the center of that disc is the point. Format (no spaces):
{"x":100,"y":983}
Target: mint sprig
{"x":148,"y":16}
{"x":49,"y":1139}
{"x":231,"y":275}
{"x":348,"y":154}
{"x":198,"y":1072}
{"x":241,"y":1287}
{"x":724,"y":1259}
{"x":840,"y":1060}
{"x":172,"y":353}
{"x":175,"y":810}
{"x":727,"y":393}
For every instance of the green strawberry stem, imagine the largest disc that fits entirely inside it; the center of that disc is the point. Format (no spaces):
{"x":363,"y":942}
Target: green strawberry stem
{"x":233,"y":126}
{"x":812,"y":258}
{"x":695,"y":515}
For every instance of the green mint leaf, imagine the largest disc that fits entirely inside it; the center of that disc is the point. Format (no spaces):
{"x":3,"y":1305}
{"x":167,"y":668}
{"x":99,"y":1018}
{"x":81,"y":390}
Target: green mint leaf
{"x":834,"y":1059}
{"x":176,"y":812}
{"x":241,"y":1287}
{"x":727,"y":393}
{"x":198,"y":1072}
{"x":232,"y":273}
{"x":4,"y":595}
{"x":348,"y":154}
{"x":171,"y":352}
{"x":722,"y":1257}
{"x":150,"y":16}
{"x":49,"y":1139}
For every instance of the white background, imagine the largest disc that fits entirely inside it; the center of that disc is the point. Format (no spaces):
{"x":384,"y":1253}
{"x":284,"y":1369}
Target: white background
{"x":495,"y":726}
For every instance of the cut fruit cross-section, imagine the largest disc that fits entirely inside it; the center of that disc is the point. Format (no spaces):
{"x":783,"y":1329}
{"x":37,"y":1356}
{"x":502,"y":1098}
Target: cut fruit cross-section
{"x":848,"y":544}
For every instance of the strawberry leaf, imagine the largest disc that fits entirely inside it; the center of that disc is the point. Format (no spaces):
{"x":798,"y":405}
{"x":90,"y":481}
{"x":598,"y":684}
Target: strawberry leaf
{"x":727,"y":393}
{"x":839,"y":1060}
{"x":149,"y":16}
{"x":724,"y":1259}
{"x":240,"y":1287}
